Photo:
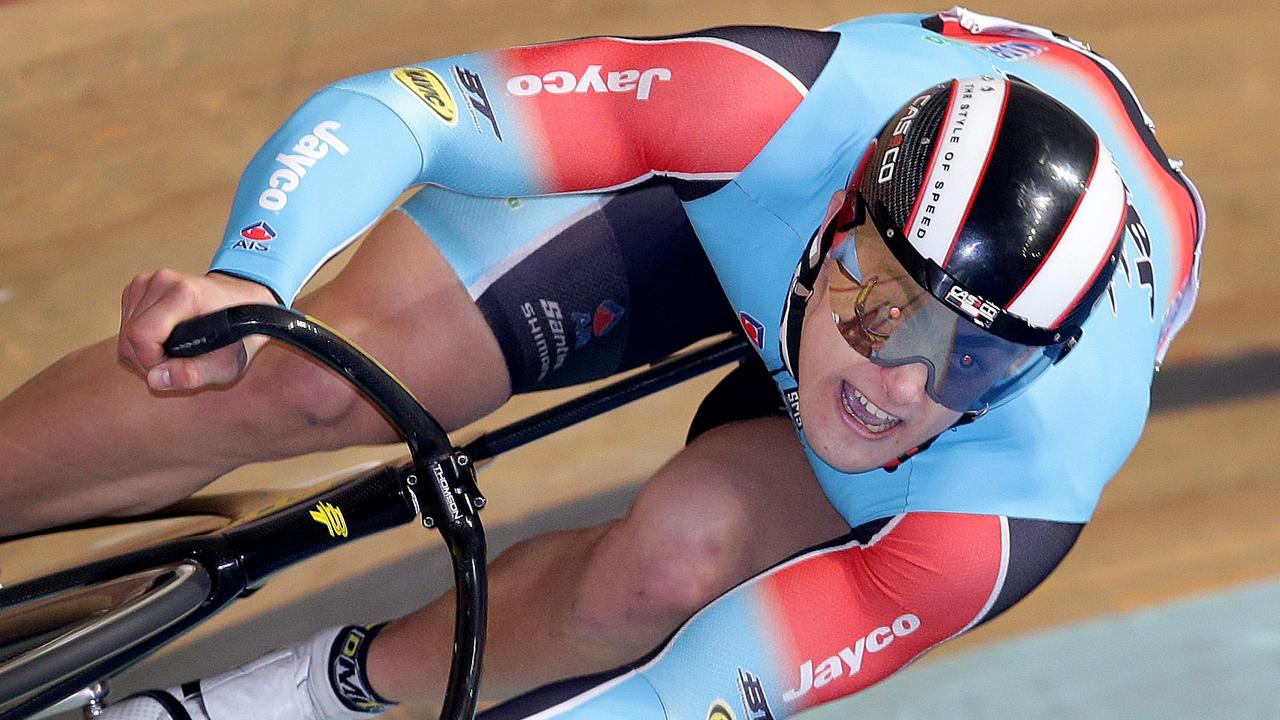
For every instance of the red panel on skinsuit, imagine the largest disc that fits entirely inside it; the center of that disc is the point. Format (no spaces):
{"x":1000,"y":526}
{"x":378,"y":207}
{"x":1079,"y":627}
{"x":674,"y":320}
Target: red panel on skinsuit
{"x":850,"y":617}
{"x":609,"y":111}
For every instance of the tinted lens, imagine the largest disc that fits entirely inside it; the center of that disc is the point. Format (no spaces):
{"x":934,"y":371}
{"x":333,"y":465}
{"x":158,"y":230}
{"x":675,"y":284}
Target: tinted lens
{"x":882,"y":313}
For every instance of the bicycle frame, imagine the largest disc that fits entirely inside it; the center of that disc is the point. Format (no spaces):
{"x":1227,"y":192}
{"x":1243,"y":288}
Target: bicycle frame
{"x":241,"y":556}
{"x":236,"y":560}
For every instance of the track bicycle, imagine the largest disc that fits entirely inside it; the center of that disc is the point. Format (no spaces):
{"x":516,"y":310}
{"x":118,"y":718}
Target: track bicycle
{"x":64,"y":634}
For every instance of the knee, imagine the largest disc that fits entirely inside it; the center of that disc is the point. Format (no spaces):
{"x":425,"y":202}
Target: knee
{"x":292,"y":393}
{"x":682,"y":544}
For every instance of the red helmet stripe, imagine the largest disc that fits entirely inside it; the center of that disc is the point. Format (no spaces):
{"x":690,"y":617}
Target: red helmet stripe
{"x":1062,"y":278}
{"x":986,"y":162}
{"x":1093,"y":171}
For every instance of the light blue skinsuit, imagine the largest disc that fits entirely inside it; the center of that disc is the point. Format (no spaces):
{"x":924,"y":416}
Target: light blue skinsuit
{"x":1047,"y":455}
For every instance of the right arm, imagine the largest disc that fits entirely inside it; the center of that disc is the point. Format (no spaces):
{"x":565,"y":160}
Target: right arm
{"x":581,"y":115}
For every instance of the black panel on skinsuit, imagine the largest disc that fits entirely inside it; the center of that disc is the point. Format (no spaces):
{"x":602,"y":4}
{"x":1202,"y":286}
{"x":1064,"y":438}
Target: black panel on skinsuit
{"x":547,"y":696}
{"x":1036,"y":547}
{"x":624,"y":286}
{"x":688,"y":190}
{"x":746,"y":393}
{"x":934,"y":23}
{"x":804,"y":53}
{"x":676,"y":297}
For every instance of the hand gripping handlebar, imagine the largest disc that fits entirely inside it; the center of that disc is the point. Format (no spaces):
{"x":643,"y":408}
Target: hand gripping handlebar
{"x":444,"y":478}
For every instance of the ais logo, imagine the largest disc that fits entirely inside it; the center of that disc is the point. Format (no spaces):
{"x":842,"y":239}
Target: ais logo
{"x":255,"y":237}
{"x":597,"y":324}
{"x":753,"y":329}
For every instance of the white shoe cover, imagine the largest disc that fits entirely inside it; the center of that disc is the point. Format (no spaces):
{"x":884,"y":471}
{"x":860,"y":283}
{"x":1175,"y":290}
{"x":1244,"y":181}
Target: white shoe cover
{"x":141,"y":708}
{"x":279,"y":686}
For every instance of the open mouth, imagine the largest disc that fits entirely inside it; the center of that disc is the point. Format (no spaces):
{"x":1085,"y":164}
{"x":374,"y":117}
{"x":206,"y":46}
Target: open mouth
{"x":865,"y":412}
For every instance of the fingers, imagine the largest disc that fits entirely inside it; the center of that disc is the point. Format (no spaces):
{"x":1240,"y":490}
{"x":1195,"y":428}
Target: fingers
{"x":168,"y":298}
{"x":153,"y":303}
{"x":133,"y":292}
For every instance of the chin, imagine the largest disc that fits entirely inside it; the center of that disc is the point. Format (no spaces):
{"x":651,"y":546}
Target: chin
{"x":845,"y":462}
{"x":842,"y":447}
{"x":850,"y":456}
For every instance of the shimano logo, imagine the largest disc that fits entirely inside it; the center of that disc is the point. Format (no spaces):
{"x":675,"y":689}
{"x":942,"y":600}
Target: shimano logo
{"x":848,"y":661}
{"x":562,"y":82}
{"x":309,"y":150}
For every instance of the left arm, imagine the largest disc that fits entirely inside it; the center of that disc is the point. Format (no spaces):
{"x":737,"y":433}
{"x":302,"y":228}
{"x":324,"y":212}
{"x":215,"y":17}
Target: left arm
{"x":825,"y":624}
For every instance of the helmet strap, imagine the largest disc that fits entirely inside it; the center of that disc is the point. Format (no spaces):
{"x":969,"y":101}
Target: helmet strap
{"x":896,"y":463}
{"x":967,"y":417}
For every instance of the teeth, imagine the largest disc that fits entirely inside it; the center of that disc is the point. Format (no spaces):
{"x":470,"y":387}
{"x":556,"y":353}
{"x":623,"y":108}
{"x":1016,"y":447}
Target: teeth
{"x":871,"y":408}
{"x":889,"y":420}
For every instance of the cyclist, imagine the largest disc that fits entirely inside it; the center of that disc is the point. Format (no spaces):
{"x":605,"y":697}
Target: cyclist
{"x":949,"y":262}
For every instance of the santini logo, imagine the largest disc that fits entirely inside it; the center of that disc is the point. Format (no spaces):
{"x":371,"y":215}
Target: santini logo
{"x":848,"y":661}
{"x":561,"y":82}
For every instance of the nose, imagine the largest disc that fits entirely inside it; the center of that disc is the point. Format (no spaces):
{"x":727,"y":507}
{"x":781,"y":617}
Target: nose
{"x":904,"y":384}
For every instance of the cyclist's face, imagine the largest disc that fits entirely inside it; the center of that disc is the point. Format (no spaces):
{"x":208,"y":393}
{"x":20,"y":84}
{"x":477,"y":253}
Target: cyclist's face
{"x":858,"y":415}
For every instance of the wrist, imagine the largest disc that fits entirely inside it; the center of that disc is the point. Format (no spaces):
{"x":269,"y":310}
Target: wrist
{"x":252,"y":290}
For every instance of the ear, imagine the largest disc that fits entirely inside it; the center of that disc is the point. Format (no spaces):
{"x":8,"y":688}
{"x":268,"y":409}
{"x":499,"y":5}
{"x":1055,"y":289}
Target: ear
{"x":854,"y":212}
{"x":820,"y":285}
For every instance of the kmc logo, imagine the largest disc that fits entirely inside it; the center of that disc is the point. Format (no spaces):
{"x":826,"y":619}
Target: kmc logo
{"x":719,"y":710}
{"x":431,"y":89}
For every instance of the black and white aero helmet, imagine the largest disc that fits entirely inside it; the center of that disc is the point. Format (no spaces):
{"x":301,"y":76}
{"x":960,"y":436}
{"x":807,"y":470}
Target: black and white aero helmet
{"x":976,"y":237}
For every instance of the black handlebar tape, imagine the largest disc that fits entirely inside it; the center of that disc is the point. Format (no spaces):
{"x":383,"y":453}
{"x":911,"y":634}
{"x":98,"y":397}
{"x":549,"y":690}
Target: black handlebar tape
{"x":200,"y":335}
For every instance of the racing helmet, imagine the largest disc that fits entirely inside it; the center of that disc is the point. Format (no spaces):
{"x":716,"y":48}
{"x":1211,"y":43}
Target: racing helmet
{"x":976,"y":237}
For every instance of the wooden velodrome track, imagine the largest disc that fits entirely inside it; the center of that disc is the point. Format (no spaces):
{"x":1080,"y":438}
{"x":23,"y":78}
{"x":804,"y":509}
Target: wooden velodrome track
{"x":124,"y":126}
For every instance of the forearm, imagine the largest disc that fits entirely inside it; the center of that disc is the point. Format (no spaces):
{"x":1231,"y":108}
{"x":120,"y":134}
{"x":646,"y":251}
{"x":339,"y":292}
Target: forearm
{"x":86,"y":438}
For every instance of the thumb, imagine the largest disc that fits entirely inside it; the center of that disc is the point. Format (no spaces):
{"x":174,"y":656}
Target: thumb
{"x":220,"y":367}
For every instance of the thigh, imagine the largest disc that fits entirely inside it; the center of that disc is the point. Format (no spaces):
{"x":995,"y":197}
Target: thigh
{"x":399,"y":299}
{"x":466,"y":298}
{"x":578,"y":287}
